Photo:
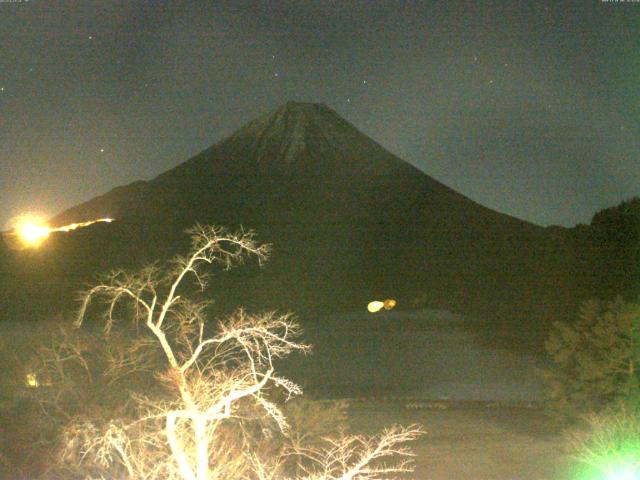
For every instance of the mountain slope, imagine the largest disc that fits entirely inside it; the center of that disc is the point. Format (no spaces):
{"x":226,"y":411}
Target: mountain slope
{"x":349,"y":222}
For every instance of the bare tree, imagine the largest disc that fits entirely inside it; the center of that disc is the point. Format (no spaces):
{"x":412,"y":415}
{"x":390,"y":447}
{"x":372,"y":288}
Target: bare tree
{"x":213,"y":379}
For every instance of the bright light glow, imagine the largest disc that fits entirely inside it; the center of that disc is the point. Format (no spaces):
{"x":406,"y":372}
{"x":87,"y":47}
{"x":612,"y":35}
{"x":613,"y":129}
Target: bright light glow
{"x":73,"y":226}
{"x":32,"y":230}
{"x":389,"y":304}
{"x":377,"y":305}
{"x":32,"y":380}
{"x":628,"y":472}
{"x":33,"y":233}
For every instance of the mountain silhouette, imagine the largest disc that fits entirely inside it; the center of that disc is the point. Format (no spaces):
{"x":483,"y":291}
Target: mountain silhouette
{"x":349,"y":222}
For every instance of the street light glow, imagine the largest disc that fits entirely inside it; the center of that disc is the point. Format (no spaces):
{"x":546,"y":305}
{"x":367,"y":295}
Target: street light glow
{"x":377,"y":305}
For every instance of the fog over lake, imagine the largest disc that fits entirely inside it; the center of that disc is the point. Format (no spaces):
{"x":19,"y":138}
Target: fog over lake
{"x":427,"y":354}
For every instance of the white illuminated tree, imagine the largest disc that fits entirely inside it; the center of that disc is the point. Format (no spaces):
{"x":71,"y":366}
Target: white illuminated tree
{"x":214,"y":380}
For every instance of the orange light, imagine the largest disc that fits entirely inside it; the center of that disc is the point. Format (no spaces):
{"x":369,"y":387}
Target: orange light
{"x":389,"y":304}
{"x":377,"y":305}
{"x":74,"y":226}
{"x":32,"y":230}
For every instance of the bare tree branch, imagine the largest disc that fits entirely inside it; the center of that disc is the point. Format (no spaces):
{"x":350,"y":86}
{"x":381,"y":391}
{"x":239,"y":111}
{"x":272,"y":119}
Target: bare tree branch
{"x":216,"y":384}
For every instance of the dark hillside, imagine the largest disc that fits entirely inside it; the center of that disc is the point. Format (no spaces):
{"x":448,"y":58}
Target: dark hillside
{"x":349,"y":222}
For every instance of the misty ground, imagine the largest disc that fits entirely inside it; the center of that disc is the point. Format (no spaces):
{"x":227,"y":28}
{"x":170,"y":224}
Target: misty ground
{"x":428,"y":354}
{"x":473,"y":440}
{"x":478,"y":404}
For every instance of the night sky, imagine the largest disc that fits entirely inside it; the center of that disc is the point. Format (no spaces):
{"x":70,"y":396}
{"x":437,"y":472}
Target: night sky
{"x":530,"y":108}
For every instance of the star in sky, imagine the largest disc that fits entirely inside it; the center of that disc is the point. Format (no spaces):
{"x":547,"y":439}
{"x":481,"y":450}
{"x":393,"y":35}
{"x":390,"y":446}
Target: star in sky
{"x":145,"y":78}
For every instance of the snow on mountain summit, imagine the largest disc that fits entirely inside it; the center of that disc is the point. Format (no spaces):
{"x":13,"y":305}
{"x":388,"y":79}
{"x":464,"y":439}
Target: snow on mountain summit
{"x":298,"y":128}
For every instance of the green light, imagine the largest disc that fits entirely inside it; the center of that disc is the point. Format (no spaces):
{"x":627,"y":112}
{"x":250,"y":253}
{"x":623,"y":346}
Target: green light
{"x":610,"y":448}
{"x":628,"y":472}
{"x":620,"y":472}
